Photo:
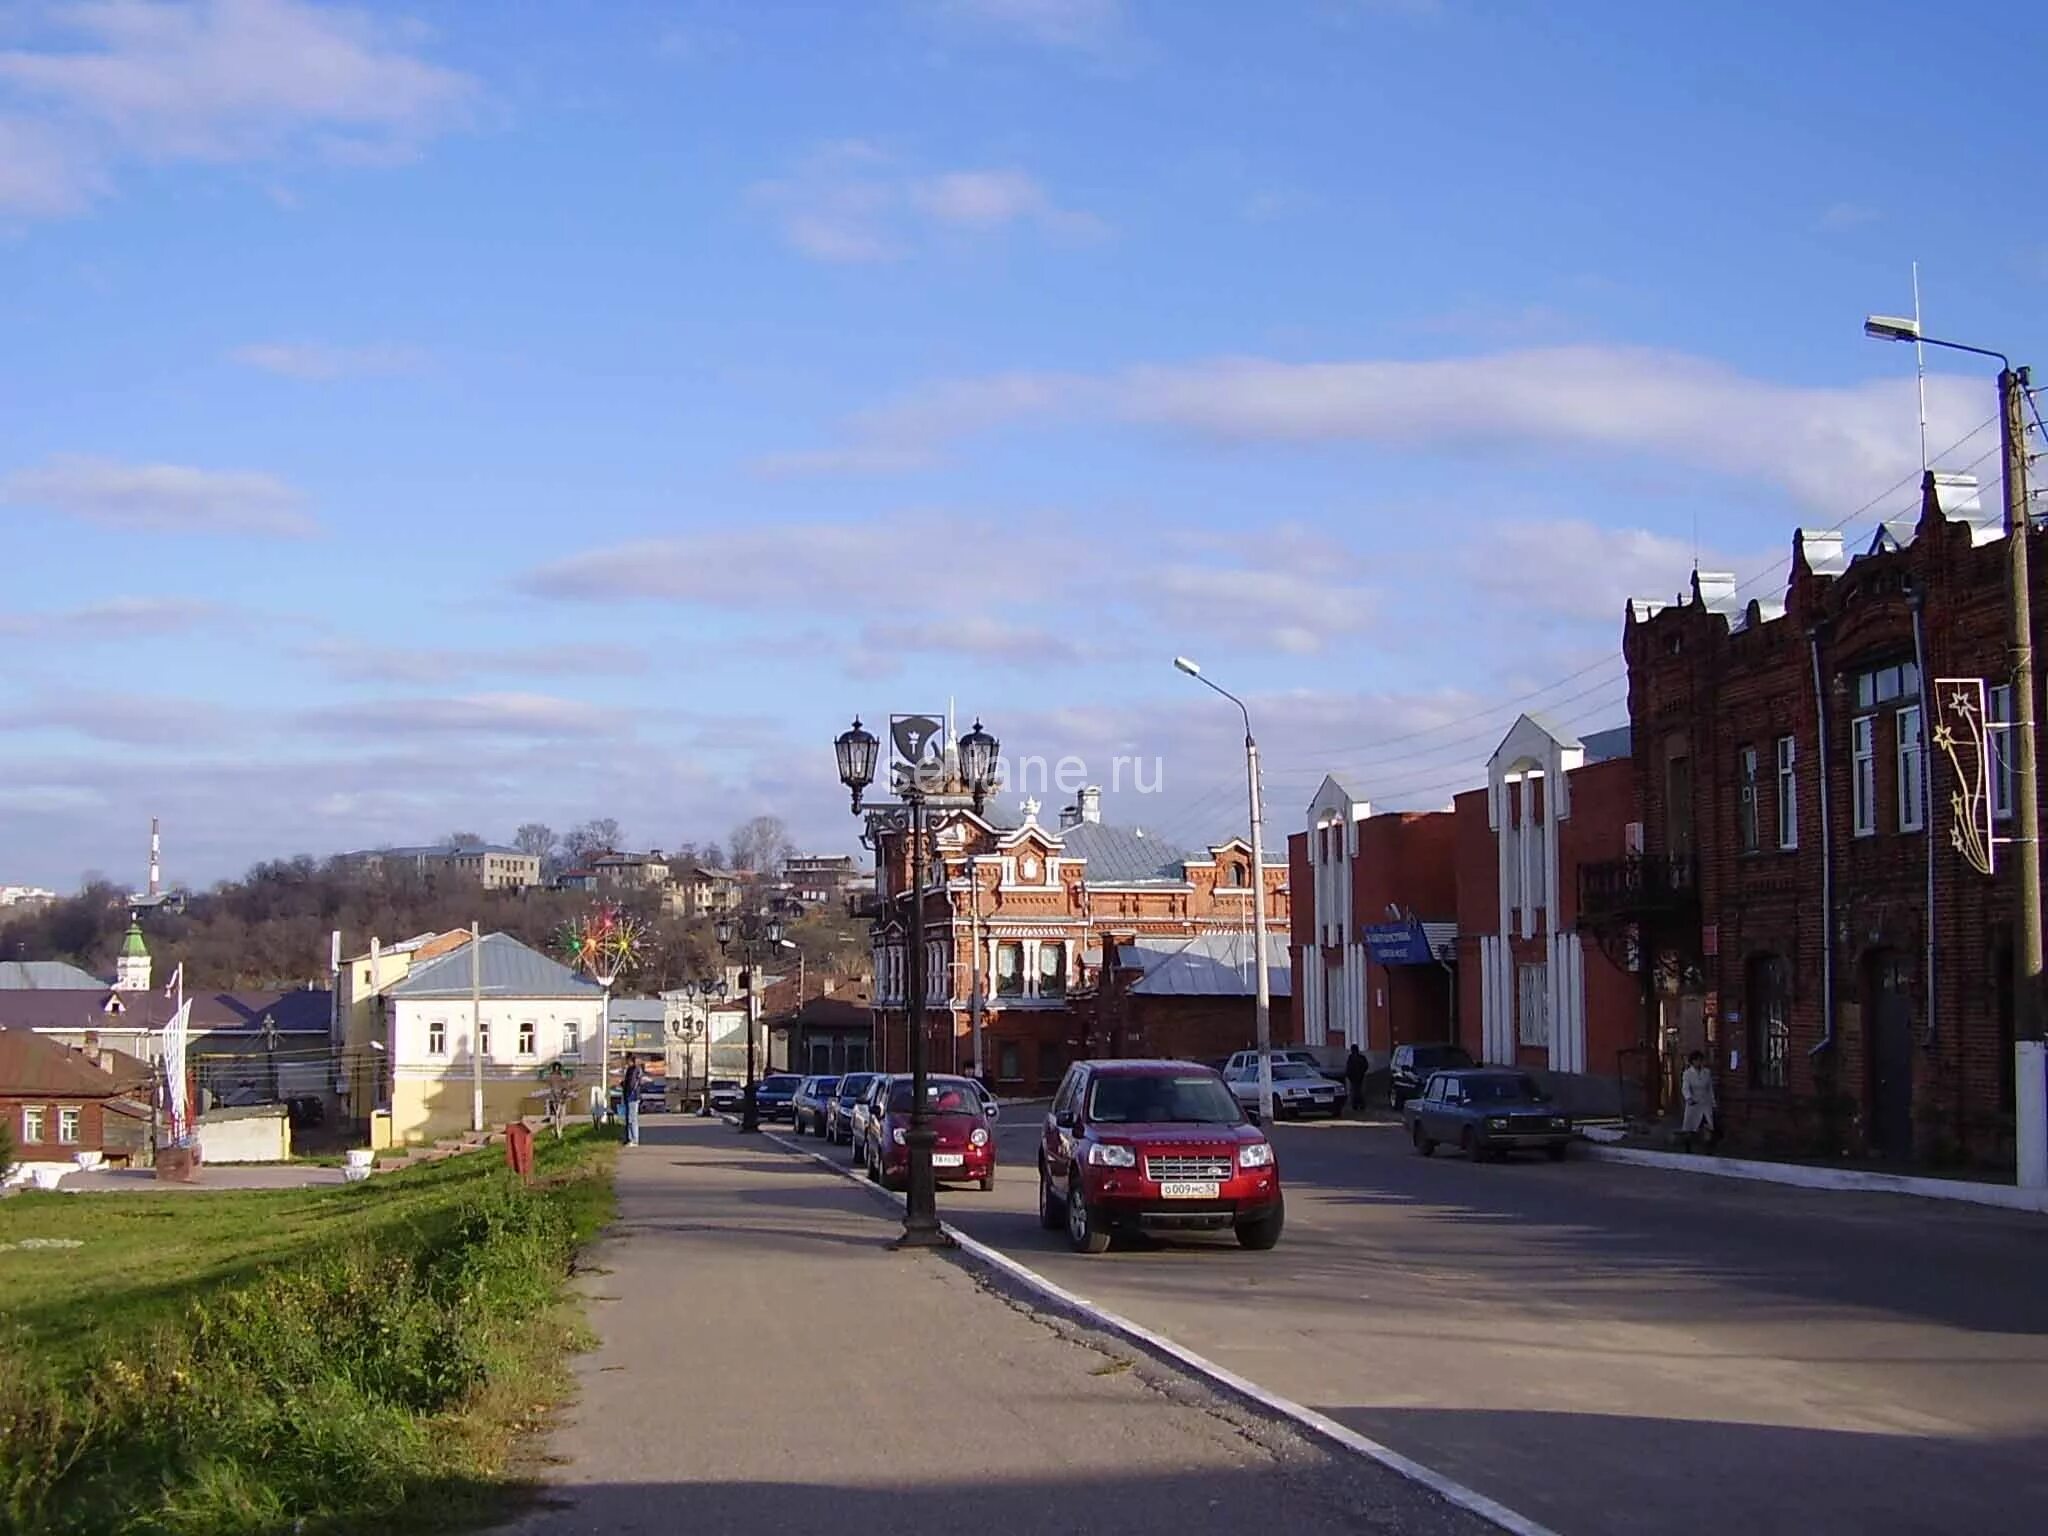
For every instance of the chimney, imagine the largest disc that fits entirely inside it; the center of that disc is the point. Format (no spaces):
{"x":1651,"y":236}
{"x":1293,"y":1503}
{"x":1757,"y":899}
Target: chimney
{"x":1070,"y":816}
{"x":156,"y":848}
{"x":1089,"y":803}
{"x":92,"y":1052}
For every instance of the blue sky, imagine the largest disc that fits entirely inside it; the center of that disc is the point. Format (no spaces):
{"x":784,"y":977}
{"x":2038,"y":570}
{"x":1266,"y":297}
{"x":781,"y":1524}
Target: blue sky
{"x":424,"y":417}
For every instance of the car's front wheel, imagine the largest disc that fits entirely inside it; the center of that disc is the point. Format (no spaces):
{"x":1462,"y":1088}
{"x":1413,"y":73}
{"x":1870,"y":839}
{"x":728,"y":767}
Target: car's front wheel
{"x":1263,"y":1231}
{"x":1085,"y":1231}
{"x":1423,"y":1143}
{"x":1052,"y":1210}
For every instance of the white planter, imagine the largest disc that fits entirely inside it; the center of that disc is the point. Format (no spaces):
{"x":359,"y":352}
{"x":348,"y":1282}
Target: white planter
{"x":355,"y":1173}
{"x":48,"y":1175}
{"x":87,"y":1161}
{"x":362,"y":1157}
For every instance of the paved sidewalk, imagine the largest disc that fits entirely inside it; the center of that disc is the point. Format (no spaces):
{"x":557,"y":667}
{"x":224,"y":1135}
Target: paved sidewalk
{"x":767,"y":1364}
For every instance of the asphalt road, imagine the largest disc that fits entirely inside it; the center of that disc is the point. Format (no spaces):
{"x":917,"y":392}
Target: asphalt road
{"x":1610,"y":1349}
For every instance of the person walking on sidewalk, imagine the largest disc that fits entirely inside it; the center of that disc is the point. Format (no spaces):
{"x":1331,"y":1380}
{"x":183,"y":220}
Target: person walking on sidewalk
{"x":1696,"y":1086}
{"x":1355,"y":1066}
{"x":629,"y":1090}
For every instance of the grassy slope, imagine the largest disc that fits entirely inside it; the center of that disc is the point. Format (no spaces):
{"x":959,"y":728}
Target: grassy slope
{"x":163,"y":1283}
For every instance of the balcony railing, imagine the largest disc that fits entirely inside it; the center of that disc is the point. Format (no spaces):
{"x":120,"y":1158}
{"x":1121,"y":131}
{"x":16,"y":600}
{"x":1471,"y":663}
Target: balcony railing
{"x":1641,"y":885}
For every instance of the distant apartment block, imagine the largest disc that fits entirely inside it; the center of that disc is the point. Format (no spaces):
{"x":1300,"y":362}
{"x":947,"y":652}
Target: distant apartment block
{"x":491,"y":865}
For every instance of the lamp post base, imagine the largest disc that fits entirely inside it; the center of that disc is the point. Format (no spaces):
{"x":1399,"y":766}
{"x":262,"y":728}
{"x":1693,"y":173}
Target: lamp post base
{"x":750,"y":1113}
{"x":933,"y":1236}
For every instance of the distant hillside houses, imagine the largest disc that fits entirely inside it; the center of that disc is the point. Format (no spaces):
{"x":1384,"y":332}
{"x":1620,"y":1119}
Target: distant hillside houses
{"x":493,"y":866}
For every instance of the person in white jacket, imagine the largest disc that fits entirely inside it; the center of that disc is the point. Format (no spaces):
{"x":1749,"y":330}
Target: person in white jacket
{"x":1696,"y":1086}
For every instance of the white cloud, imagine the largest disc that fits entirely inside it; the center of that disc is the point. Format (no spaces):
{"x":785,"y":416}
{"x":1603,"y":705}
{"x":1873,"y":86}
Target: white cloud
{"x":1825,"y":446}
{"x":1080,"y":24}
{"x":41,"y":174}
{"x":315,"y":362}
{"x":161,"y":498}
{"x":979,"y":635}
{"x":116,"y":618}
{"x":357,"y":661}
{"x":481,"y":714}
{"x":222,"y":81}
{"x":1577,"y":569}
{"x":1846,"y":216}
{"x":849,"y":202}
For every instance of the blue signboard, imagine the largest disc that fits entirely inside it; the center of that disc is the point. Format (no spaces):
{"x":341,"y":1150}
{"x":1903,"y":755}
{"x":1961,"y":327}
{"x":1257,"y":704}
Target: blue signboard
{"x":1398,"y":943}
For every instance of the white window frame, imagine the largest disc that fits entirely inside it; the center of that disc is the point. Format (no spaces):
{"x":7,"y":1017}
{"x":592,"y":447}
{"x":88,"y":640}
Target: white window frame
{"x":1863,"y":775}
{"x":70,"y":1121}
{"x":1788,"y":792}
{"x":529,"y":1033}
{"x":437,"y":1037}
{"x":1532,"y":1004}
{"x":1910,"y":748}
{"x":1998,"y":749}
{"x":1748,"y":834}
{"x":33,"y":1120}
{"x":572,"y":1039}
{"x":483,"y":1038}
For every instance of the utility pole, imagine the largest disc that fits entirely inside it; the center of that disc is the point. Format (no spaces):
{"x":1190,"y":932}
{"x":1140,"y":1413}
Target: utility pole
{"x":2027,"y":1001}
{"x":1263,"y":1014}
{"x":476,"y":1029}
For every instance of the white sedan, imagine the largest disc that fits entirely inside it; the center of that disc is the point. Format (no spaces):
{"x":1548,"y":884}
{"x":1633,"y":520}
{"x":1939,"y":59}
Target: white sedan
{"x":1297,"y":1090}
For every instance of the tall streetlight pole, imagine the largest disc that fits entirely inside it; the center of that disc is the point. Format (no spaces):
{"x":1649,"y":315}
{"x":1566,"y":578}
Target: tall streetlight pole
{"x":977,"y":751}
{"x":1263,"y":1009}
{"x":757,"y":933}
{"x":974,"y":1006}
{"x":2028,"y":1015}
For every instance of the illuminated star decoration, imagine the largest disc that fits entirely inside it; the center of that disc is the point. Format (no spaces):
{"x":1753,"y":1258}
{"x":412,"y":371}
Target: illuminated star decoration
{"x":605,"y":942}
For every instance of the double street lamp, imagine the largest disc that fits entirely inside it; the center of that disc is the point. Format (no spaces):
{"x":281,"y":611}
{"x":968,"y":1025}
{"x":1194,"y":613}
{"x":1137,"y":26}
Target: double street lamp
{"x":963,"y":776}
{"x":755,"y":934}
{"x":708,"y":991}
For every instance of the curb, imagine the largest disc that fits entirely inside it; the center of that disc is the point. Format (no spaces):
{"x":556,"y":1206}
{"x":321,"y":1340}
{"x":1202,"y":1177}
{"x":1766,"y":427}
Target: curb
{"x":2006,"y":1196}
{"x":1321,"y":1425}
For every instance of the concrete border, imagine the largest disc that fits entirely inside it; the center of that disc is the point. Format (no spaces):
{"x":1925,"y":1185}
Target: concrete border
{"x":1321,"y":1425}
{"x":2007,"y":1196}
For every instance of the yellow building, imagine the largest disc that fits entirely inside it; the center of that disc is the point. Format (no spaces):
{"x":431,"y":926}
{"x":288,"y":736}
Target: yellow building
{"x":439,"y":1038}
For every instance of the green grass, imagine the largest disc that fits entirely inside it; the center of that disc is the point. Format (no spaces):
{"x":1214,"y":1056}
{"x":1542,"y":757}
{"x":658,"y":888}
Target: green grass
{"x":361,"y":1357}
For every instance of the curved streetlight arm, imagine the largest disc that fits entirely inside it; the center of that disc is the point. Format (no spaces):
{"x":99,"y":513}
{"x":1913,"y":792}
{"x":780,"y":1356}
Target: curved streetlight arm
{"x":1894,"y":328}
{"x":1195,"y":672}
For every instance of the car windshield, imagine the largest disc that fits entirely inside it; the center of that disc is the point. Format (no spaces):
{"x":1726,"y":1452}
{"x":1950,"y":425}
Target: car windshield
{"x":852,"y":1087}
{"x":1292,"y":1069}
{"x":725,"y":1082}
{"x":1501,"y":1090}
{"x":825,"y":1085}
{"x":779,"y":1084}
{"x":1194,"y":1098}
{"x":1441,"y":1056}
{"x":943,"y":1098}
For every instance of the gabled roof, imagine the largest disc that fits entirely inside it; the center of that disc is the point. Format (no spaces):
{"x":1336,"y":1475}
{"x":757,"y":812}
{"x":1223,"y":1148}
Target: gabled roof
{"x":509,"y":969}
{"x":30,"y":1064}
{"x":45,"y":975}
{"x":1219,"y":965}
{"x":1603,"y":746}
{"x":303,"y":1010}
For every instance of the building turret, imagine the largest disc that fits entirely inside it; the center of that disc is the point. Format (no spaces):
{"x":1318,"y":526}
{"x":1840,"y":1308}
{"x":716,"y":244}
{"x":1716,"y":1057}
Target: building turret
{"x":131,"y":971}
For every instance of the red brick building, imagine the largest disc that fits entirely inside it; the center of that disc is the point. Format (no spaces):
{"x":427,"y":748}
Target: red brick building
{"x":1027,"y":911}
{"x":1808,"y":919}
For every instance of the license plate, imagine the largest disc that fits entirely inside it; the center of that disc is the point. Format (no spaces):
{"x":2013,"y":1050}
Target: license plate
{"x":1189,"y":1189}
{"x":948,"y":1160}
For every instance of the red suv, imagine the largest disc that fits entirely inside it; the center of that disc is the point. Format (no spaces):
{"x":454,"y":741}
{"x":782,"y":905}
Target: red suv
{"x":1154,"y":1146}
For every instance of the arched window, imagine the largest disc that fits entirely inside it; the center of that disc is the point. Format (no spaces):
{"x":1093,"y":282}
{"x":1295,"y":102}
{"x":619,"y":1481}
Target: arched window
{"x":1237,"y":875}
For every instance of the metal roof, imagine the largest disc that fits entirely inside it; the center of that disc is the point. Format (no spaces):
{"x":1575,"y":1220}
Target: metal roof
{"x":1602,"y":746}
{"x":1219,"y":965}
{"x":509,"y":969}
{"x":30,"y":1064}
{"x":45,"y":976}
{"x":1122,"y":855}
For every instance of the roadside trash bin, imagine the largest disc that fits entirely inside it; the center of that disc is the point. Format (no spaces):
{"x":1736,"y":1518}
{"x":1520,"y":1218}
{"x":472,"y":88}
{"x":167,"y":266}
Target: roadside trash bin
{"x":519,"y":1148}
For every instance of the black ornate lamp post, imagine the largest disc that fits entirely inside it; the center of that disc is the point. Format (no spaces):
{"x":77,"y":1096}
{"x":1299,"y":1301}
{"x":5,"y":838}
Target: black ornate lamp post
{"x":755,"y":933}
{"x":921,"y":783}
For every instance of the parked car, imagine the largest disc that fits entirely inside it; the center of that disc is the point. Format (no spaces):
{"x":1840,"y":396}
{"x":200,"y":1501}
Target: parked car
{"x":1412,"y":1065}
{"x":1242,"y":1059}
{"x":1297,"y":1090}
{"x":726,"y":1093}
{"x":807,"y":1109}
{"x":1154,"y":1146}
{"x":964,"y":1151}
{"x":1489,"y":1112}
{"x":774,"y":1094}
{"x":862,"y":1115}
{"x":839,"y":1107}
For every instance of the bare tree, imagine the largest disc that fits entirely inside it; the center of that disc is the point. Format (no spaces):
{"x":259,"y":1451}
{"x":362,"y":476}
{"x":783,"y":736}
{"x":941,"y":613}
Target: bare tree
{"x":760,"y":844}
{"x":462,"y":840}
{"x":598,"y":835}
{"x":536,"y":838}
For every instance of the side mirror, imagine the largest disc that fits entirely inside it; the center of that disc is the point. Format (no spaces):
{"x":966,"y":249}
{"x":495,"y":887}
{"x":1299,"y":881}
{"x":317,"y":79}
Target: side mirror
{"x":1064,"y":1119}
{"x":1252,"y":1114}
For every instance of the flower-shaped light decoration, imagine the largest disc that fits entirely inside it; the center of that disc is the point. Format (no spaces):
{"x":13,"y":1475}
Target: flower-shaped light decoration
{"x":605,"y":943}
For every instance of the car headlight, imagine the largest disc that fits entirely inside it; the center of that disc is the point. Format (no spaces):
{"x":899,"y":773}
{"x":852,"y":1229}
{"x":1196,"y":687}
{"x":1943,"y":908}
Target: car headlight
{"x":1257,"y":1154}
{"x":977,"y":1137}
{"x":1108,"y":1154}
{"x":1560,"y":1122}
{"x":898,"y":1136}
{"x":1496,"y":1125}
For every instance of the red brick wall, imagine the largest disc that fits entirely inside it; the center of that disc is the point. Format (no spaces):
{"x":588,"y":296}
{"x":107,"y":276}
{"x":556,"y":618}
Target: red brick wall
{"x":1476,"y":858}
{"x":1202,"y":1028}
{"x":92,"y":1127}
{"x":1694,"y":682}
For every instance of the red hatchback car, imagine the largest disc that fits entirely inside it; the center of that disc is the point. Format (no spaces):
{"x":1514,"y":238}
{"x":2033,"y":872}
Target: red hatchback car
{"x":965,"y":1149}
{"x":1154,"y":1146}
